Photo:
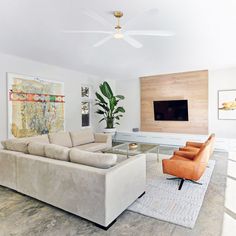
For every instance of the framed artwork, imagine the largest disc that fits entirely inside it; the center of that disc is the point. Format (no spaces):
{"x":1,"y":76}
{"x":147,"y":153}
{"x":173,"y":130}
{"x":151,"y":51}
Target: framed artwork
{"x":35,"y":106}
{"x":227,"y":105}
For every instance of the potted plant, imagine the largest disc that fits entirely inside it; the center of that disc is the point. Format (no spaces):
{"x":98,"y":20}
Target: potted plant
{"x":108,"y":107}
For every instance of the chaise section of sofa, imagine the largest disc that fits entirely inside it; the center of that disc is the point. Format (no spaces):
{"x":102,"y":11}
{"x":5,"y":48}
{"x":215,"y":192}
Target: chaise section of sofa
{"x":98,"y":195}
{"x":92,"y":185}
{"x":89,"y":141}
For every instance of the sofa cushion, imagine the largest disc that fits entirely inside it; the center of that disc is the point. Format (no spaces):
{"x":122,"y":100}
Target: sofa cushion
{"x":18,"y":145}
{"x":92,"y":147}
{"x":60,"y":138}
{"x":56,"y":152}
{"x":38,"y":139}
{"x":36,"y":148}
{"x":81,"y":137}
{"x":99,"y":160}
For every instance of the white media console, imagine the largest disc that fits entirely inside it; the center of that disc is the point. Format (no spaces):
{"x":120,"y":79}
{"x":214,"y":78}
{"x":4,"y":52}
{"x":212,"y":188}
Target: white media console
{"x":173,"y":139}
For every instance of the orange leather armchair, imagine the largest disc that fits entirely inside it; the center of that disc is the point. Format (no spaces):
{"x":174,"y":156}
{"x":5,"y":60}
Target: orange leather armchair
{"x":189,"y":167}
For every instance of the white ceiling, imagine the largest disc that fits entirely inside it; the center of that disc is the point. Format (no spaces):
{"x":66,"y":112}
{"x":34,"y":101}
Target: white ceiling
{"x":205,"y":35}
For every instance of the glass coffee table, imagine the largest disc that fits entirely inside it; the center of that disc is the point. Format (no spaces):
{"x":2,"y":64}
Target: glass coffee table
{"x":132,"y":149}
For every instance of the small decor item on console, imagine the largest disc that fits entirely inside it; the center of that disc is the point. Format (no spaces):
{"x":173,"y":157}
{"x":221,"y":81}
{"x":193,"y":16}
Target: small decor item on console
{"x":133,"y":145}
{"x":135,"y":129}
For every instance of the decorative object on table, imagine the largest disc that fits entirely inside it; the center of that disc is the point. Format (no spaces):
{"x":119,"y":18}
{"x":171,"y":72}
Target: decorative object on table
{"x":108,"y":107}
{"x":133,"y":145}
{"x":227,"y":104}
{"x":35,"y":106}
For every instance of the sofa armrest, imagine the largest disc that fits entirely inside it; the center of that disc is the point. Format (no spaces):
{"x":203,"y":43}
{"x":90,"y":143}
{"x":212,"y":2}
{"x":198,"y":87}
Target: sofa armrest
{"x":194,"y":144}
{"x":125,"y":182}
{"x":103,"y":138}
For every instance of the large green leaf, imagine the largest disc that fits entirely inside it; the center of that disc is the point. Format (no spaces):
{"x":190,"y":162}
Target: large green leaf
{"x":119,"y":109}
{"x":101,"y":120}
{"x":100,"y":98}
{"x":121,"y":97}
{"x":113,"y":103}
{"x":103,"y":106}
{"x":106,"y":90}
{"x":100,"y":112}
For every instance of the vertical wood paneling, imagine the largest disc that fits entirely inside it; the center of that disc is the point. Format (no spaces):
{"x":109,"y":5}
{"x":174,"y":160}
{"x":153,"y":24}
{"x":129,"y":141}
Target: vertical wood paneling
{"x":192,"y":86}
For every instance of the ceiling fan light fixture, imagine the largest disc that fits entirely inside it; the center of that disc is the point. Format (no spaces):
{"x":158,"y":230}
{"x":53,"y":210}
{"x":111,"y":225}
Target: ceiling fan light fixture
{"x":118,"y":35}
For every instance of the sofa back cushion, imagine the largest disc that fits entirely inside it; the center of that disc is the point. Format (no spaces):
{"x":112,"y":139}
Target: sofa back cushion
{"x":17,"y":145}
{"x":99,"y":160}
{"x":56,"y":152}
{"x":36,"y":148}
{"x":81,"y":137}
{"x":38,"y":139}
{"x":4,"y":144}
{"x":60,"y":138}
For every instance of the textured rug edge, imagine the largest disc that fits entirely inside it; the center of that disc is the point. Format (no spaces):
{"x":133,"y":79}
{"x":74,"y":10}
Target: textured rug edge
{"x":212,"y":166}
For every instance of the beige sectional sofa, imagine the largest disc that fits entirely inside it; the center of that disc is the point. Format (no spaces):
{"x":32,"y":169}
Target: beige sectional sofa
{"x":56,"y":169}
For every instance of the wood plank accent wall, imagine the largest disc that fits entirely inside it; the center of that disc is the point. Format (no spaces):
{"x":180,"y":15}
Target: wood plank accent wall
{"x":192,"y":86}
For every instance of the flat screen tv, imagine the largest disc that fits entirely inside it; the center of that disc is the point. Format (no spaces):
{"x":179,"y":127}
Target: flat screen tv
{"x":173,"y":110}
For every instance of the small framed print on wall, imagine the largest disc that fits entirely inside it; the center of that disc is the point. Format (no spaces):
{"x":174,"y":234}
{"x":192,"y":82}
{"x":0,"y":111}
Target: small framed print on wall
{"x":227,"y":104}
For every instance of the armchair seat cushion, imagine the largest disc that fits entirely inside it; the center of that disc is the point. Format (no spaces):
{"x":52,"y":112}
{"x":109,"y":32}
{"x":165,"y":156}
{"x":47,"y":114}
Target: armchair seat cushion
{"x":190,"y":149}
{"x":92,"y":147}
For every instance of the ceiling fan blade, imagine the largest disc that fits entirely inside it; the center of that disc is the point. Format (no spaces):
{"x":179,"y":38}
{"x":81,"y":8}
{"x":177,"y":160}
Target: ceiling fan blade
{"x":87,"y":31}
{"x":104,"y":40}
{"x":133,"y":42}
{"x":150,"y":32}
{"x":132,"y":21}
{"x":97,"y":17}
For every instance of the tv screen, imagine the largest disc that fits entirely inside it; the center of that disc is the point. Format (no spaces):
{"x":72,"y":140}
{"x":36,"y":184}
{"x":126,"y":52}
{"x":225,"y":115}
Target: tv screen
{"x":174,"y":110}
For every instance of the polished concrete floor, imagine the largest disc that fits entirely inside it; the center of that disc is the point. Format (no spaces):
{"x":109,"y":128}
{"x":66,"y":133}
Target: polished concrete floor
{"x":22,"y":215}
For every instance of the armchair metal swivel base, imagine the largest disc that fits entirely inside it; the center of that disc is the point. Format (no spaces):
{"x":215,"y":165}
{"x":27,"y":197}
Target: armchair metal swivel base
{"x":182,"y":181}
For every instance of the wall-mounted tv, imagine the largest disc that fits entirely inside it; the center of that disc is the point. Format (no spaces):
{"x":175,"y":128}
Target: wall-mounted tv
{"x":173,"y":110}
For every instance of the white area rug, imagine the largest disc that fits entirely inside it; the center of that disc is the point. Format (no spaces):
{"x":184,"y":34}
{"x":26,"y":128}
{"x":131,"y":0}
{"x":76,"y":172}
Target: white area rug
{"x":164,"y":201}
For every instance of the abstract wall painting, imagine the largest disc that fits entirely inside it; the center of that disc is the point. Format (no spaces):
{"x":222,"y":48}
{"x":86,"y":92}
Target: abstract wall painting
{"x":35,"y":106}
{"x":227,"y":104}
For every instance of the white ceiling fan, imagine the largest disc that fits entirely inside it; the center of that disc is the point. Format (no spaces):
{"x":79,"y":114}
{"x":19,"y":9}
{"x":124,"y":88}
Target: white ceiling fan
{"x":119,"y":33}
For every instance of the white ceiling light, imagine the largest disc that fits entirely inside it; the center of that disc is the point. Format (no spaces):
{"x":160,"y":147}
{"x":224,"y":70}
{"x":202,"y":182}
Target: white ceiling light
{"x":118,"y":35}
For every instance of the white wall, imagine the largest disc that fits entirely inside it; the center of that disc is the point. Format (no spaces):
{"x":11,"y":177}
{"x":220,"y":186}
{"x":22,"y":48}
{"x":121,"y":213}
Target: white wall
{"x":222,"y":79}
{"x":218,"y":80}
{"x":131,"y":90}
{"x":72,"y":80}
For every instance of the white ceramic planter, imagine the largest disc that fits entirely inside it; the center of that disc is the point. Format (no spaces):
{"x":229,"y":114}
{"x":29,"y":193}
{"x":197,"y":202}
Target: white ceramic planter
{"x":110,"y":131}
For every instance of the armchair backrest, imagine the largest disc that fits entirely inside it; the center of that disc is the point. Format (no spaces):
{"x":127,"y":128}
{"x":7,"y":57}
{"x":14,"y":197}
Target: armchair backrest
{"x":204,"y":154}
{"x":211,"y":139}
